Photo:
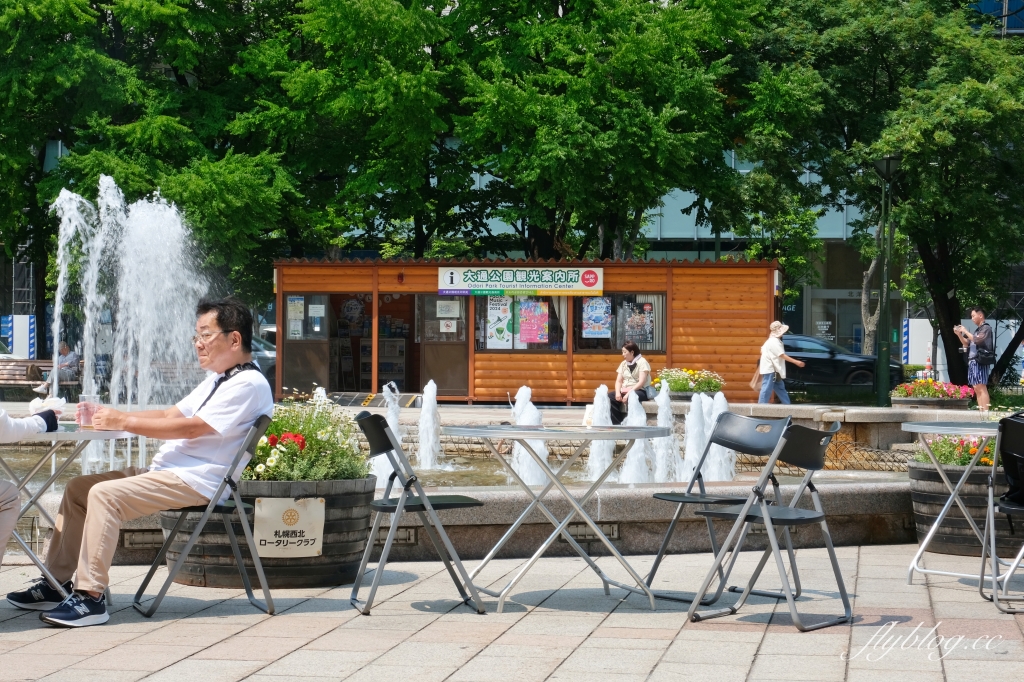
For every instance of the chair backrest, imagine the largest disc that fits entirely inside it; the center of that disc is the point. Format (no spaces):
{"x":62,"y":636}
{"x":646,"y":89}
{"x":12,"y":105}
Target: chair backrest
{"x":1011,"y":436}
{"x":256,"y":432}
{"x":747,"y":434}
{"x":805,"y":448}
{"x":374,"y":428}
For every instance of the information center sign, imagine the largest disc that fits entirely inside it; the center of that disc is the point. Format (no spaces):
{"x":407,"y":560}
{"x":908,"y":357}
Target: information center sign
{"x":520,"y":281}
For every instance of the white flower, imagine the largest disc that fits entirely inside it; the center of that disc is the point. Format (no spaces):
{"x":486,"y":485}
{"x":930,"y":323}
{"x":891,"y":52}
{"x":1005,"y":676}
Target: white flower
{"x":276,"y":452}
{"x":271,"y":461}
{"x":263,"y":440}
{"x":260,"y":468}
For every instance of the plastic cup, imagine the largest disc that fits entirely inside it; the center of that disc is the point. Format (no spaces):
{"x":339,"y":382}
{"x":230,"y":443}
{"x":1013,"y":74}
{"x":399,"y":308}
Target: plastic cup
{"x":87,"y":405}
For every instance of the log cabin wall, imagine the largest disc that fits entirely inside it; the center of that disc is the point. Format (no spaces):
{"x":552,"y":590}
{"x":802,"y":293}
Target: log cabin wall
{"x":717,"y":316}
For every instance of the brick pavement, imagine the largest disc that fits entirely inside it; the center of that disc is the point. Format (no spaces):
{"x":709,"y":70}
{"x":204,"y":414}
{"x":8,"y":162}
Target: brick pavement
{"x":560,"y":627}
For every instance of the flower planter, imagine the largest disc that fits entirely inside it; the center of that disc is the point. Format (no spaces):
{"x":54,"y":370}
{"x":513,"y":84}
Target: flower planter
{"x":346,"y":527}
{"x":933,"y":403}
{"x":928,"y":494}
{"x":681,"y":396}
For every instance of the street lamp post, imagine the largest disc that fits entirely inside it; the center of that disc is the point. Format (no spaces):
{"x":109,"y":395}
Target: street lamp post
{"x":886,"y":168}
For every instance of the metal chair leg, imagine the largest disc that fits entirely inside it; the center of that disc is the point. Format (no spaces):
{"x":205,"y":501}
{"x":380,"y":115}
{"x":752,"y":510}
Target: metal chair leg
{"x":257,"y":563}
{"x":370,"y":541}
{"x":790,"y":599}
{"x":446,"y":541}
{"x":364,"y":607}
{"x":157,"y":563}
{"x":267,"y":607}
{"x":193,"y":538}
{"x":439,"y":548}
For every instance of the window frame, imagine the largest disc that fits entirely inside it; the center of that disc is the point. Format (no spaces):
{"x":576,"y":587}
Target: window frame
{"x":577,"y":324}
{"x":480,"y":342}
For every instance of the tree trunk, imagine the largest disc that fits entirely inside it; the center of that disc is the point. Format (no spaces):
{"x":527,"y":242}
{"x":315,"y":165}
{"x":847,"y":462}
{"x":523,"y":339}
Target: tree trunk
{"x":634,"y":232}
{"x":618,"y":239}
{"x":540,"y":240}
{"x":39,"y":275}
{"x":419,"y":237}
{"x":869,"y":319}
{"x":941,"y":288}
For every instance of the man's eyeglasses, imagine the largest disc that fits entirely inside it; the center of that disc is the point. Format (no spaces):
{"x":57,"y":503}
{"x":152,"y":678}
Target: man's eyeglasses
{"x":206,"y":336}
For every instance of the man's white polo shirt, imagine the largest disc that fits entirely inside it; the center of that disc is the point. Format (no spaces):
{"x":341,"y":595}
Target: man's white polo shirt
{"x":231,"y":411}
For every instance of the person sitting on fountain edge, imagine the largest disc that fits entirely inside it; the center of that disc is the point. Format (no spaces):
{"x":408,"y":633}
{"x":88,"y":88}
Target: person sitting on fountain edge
{"x":202,"y":433}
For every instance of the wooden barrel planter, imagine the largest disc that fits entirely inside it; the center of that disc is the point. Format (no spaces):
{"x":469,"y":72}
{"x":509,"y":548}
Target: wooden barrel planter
{"x":346,"y":527}
{"x":933,"y":403}
{"x":928,"y":494}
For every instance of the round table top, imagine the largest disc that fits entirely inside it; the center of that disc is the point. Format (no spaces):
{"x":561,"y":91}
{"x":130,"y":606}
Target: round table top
{"x":953,"y":428}
{"x":73,"y":432}
{"x":558,"y":432}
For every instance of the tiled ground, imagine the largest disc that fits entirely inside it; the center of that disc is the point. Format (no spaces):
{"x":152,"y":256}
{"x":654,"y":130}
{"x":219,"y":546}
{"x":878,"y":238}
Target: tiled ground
{"x":560,"y":627}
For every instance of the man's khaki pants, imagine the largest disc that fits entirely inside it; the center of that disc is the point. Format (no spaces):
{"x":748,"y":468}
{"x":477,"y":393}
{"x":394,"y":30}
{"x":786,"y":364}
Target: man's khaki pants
{"x":92,"y":511}
{"x":10,"y":505}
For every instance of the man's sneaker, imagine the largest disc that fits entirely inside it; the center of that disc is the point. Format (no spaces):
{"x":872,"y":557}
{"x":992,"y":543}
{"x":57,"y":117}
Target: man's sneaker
{"x":78,"y":611}
{"x":43,"y":388}
{"x":39,"y":597}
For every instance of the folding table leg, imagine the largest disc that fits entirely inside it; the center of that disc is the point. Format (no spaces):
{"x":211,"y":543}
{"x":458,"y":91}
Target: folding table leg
{"x":915,"y":564}
{"x":536,"y":502}
{"x":578,"y":509}
{"x":40,"y":565}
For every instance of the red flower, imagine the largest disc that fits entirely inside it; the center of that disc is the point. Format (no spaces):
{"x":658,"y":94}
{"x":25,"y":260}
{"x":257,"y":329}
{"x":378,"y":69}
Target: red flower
{"x":296,"y":438}
{"x":272,"y":439}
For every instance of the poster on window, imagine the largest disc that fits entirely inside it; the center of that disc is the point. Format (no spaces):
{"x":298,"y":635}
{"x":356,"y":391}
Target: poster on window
{"x":499,"y":322}
{"x":639,"y":322}
{"x":597,"y":317}
{"x":533,"y":321}
{"x":296,"y":307}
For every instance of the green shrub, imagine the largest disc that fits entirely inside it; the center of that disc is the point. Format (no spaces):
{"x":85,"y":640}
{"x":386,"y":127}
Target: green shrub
{"x":910,"y":371}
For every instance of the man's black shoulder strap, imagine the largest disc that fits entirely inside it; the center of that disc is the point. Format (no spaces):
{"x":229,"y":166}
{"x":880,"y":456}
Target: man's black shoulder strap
{"x":227,"y":375}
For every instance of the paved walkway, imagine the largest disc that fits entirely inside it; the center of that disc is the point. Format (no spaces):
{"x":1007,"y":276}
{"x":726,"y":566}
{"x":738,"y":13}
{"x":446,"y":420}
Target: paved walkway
{"x":419,"y":632}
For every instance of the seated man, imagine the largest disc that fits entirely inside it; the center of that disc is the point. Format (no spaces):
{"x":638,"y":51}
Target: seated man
{"x":203,"y":434}
{"x":12,"y":430}
{"x":67,"y":367}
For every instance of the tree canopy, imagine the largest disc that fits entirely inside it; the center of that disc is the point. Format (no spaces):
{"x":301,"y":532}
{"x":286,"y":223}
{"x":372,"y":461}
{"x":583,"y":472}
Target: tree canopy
{"x":414,"y":128}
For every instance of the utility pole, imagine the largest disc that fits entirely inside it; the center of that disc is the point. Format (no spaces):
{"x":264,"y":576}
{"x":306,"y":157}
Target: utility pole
{"x":886,"y":168}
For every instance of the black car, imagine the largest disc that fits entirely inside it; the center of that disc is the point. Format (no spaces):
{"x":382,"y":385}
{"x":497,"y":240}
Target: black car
{"x":827,"y":363}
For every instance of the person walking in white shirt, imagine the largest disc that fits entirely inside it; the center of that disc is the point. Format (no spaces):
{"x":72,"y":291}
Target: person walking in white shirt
{"x":773,"y":365}
{"x":202,"y":433}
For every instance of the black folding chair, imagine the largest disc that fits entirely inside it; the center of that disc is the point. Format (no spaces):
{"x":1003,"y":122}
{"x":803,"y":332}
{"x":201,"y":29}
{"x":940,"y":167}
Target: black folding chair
{"x":1009,"y":447}
{"x":804,"y":448}
{"x":383,"y":442}
{"x":759,"y":437}
{"x":225,"y":510}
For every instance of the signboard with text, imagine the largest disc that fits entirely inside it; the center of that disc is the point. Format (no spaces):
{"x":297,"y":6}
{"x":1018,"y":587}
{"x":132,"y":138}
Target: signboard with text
{"x":286,"y":527}
{"x":520,"y":281}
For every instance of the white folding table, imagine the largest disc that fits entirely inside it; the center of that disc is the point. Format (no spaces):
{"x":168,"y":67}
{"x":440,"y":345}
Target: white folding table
{"x":65,"y":433}
{"x":984,"y":430}
{"x":521,"y":435}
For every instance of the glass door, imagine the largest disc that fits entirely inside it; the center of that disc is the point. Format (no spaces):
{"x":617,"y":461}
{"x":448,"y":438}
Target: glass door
{"x":444,"y":342}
